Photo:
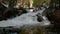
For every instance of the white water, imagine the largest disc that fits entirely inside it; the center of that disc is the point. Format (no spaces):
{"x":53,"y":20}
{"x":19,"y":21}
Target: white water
{"x":28,"y":18}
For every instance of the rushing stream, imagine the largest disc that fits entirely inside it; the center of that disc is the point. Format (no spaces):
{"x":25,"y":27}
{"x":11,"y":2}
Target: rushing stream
{"x":29,"y":18}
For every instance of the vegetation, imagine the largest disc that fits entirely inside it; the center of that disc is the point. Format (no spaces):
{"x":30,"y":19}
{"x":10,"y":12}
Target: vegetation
{"x":37,"y":3}
{"x":36,"y":30}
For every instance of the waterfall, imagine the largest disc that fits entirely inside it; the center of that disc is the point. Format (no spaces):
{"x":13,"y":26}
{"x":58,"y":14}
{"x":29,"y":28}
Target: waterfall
{"x":29,"y":18}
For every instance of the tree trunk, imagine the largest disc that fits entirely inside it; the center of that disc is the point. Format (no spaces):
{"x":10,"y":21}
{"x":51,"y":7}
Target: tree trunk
{"x":59,"y":3}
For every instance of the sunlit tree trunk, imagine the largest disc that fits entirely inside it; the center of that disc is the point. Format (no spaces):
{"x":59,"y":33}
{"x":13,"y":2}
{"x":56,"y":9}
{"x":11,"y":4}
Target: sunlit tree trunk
{"x":31,"y":3}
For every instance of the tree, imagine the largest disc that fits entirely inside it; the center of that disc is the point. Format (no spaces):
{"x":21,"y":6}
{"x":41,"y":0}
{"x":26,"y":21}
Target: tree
{"x":12,"y":3}
{"x":37,"y":3}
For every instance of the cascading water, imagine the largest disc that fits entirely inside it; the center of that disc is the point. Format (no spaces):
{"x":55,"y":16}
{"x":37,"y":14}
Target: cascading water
{"x":29,"y":18}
